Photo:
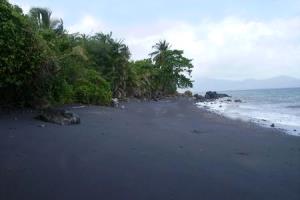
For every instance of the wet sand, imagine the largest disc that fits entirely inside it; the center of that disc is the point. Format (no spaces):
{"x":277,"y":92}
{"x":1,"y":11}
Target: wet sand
{"x":151,"y":150}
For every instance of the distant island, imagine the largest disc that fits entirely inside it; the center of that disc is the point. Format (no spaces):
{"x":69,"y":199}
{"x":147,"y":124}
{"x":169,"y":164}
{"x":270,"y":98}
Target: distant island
{"x":205,"y":84}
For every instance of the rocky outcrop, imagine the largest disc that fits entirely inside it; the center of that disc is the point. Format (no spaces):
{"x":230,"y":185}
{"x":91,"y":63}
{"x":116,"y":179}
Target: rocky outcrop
{"x":210,"y":96}
{"x":115,"y":102}
{"x":59,"y":116}
{"x":214,"y":95}
{"x":199,"y":97}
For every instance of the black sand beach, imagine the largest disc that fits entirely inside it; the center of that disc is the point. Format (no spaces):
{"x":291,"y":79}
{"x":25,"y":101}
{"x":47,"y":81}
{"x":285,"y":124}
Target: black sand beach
{"x":151,"y":150}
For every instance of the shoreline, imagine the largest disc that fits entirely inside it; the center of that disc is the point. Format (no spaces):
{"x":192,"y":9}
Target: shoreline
{"x":237,"y":109}
{"x":168,"y":149}
{"x":262,"y":123}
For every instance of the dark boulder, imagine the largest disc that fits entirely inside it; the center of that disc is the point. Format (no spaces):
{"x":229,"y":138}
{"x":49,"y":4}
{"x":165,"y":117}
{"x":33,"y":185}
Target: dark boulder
{"x":210,"y":95}
{"x":59,"y":116}
{"x":115,"y":102}
{"x":222,"y":95}
{"x":199,"y":97}
{"x":238,"y":101}
{"x":272,"y":125}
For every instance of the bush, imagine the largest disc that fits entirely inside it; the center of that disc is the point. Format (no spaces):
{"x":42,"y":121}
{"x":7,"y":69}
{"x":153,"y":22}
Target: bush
{"x":22,"y":56}
{"x":92,"y":89}
{"x":188,"y":93}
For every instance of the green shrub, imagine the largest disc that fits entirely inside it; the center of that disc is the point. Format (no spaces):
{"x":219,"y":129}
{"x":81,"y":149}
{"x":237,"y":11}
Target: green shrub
{"x":23,"y":55}
{"x":188,"y":93}
{"x":92,"y":89}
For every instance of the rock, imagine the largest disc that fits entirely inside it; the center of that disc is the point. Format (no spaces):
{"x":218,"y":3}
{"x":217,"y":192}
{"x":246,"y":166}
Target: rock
{"x":188,"y":93}
{"x":214,"y":95}
{"x":211,"y":95}
{"x":157,"y":96}
{"x":199,"y":97}
{"x":196,"y":131}
{"x":115,"y":102}
{"x":59,"y":116}
{"x":243,"y":153}
{"x":272,"y":125}
{"x":222,"y":95}
{"x":42,"y":125}
{"x":123,"y":107}
{"x":238,"y":101}
{"x":229,"y":100}
{"x":78,"y":107}
{"x":295,"y":130}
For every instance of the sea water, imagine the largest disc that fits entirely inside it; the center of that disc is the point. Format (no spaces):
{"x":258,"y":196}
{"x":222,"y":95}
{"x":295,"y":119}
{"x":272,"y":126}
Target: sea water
{"x":280,"y":107}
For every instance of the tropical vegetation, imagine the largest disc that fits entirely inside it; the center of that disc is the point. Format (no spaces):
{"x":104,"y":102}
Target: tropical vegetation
{"x":41,"y":63}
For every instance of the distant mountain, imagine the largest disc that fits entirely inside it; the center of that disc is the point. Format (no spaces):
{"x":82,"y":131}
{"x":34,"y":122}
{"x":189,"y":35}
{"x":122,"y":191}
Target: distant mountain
{"x":205,"y":84}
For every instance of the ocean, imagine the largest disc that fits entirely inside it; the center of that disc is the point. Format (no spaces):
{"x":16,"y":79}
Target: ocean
{"x":280,"y":107}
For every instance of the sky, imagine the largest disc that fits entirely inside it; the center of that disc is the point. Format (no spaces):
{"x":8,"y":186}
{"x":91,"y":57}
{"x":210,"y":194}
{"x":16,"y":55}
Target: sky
{"x":227,"y":39}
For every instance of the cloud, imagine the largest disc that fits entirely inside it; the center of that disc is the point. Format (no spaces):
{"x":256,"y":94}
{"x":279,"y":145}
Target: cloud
{"x":88,"y":25}
{"x":57,"y":13}
{"x":228,"y":48}
{"x":25,"y":6}
{"x":231,"y":48}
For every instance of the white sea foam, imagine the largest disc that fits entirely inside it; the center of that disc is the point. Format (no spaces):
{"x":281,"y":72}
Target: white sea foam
{"x":283,"y":114}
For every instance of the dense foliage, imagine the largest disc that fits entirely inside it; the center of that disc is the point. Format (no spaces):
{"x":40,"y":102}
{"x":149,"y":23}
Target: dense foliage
{"x":41,"y":64}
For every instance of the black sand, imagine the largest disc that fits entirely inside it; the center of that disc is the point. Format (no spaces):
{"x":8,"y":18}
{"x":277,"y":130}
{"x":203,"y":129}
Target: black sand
{"x":157,"y":150}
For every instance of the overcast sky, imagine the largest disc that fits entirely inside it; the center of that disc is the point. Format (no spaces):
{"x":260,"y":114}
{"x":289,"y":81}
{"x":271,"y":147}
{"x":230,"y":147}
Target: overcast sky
{"x":227,"y":39}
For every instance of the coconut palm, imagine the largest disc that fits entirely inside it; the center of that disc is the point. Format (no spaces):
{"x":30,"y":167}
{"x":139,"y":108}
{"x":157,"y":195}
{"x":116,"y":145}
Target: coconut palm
{"x":159,"y":53}
{"x":172,"y":66}
{"x":42,"y":18}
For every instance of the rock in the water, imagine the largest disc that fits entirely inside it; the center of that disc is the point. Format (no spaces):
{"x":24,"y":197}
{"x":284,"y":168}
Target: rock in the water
{"x":115,"y":102}
{"x":214,"y":95}
{"x":272,"y":125}
{"x":199,"y":97}
{"x":123,"y":107}
{"x":238,"y":101}
{"x":59,"y":116}
{"x":222,"y":95}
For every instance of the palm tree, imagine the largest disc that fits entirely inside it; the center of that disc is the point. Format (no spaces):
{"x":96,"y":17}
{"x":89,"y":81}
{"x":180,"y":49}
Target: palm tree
{"x":159,"y":54}
{"x":42,"y":18}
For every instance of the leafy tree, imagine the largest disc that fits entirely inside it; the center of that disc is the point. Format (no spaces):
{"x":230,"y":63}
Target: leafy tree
{"x":173,"y":68}
{"x":110,"y":57}
{"x":39,"y":60}
{"x":159,"y":53}
{"x":142,"y":78}
{"x":23,"y":56}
